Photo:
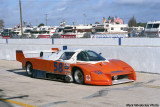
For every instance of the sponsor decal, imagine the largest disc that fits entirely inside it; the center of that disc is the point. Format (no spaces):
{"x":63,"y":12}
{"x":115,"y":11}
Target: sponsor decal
{"x":67,"y":72}
{"x":88,"y":77}
{"x":98,"y":72}
{"x":66,"y":67}
{"x":73,"y":59}
{"x":116,"y":71}
{"x":104,"y":63}
{"x":67,"y":64}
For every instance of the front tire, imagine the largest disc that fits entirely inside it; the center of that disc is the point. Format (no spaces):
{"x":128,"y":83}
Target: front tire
{"x":78,"y":76}
{"x":29,"y":69}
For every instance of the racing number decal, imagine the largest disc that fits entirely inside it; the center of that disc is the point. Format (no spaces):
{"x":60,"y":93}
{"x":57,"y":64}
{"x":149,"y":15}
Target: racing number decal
{"x":58,"y":67}
{"x":55,"y":66}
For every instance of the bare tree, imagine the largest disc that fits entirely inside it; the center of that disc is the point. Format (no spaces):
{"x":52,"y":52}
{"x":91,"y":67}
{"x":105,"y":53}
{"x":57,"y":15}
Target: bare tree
{"x":1,"y":24}
{"x":132,"y":22}
{"x":96,"y":22}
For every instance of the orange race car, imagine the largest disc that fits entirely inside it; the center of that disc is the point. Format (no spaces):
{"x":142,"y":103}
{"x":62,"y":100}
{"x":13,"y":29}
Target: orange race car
{"x":81,"y":66}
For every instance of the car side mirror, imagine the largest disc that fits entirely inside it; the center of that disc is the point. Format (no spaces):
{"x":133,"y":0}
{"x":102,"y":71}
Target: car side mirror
{"x":41,"y":54}
{"x":100,"y":54}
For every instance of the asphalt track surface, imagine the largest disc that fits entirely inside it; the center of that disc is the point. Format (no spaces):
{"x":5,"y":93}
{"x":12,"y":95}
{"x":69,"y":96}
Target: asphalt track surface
{"x":19,"y":90}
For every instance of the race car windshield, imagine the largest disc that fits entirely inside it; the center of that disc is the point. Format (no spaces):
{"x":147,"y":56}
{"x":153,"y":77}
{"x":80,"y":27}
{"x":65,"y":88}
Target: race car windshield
{"x":89,"y":56}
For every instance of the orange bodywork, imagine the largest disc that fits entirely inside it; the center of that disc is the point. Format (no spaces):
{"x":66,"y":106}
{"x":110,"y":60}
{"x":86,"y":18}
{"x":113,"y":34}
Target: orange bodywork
{"x":100,"y":73}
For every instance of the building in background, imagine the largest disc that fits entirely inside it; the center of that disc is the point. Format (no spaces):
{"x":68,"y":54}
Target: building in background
{"x":73,"y":31}
{"x":136,"y":31}
{"x":113,"y":27}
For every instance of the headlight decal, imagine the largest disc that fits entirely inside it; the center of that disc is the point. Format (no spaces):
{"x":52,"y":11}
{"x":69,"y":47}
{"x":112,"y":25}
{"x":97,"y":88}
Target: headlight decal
{"x":98,"y":72}
{"x":116,"y":71}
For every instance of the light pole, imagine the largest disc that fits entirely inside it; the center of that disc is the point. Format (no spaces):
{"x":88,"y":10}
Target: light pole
{"x":46,"y":19}
{"x":21,"y":17}
{"x":84,"y":19}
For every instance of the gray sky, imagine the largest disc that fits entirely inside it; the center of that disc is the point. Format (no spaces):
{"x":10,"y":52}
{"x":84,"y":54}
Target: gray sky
{"x":33,"y":11}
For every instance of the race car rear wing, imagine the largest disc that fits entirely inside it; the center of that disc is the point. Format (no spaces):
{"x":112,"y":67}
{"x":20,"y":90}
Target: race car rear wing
{"x":55,"y":49}
{"x":20,"y":54}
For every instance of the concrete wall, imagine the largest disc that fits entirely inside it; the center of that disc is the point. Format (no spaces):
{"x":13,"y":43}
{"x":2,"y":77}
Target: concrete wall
{"x":2,"y":41}
{"x":140,"y":41}
{"x":8,"y":51}
{"x":140,"y":57}
{"x":89,"y":41}
{"x":144,"y":59}
{"x":30,"y":41}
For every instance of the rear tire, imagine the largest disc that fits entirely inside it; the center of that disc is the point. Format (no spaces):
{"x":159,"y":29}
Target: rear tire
{"x":78,"y":76}
{"x":29,"y":69}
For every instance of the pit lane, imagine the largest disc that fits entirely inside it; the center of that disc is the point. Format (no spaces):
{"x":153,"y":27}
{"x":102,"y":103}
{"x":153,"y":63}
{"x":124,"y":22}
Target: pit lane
{"x":16,"y":86}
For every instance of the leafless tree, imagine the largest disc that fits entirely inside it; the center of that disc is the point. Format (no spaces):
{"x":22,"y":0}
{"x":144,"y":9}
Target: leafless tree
{"x":132,"y":22}
{"x":96,"y":22}
{"x":1,"y":24}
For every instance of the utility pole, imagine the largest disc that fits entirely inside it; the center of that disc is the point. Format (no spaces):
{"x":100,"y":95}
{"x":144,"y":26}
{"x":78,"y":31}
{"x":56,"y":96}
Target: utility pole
{"x":21,"y":17}
{"x":46,"y":19}
{"x":84,"y":19}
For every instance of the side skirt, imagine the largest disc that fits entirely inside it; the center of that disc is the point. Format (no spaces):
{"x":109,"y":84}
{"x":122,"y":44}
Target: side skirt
{"x":47,"y":75}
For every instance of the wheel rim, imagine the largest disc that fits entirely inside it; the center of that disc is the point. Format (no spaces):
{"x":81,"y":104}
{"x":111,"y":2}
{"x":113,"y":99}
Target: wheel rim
{"x":78,"y":76}
{"x":29,"y":69}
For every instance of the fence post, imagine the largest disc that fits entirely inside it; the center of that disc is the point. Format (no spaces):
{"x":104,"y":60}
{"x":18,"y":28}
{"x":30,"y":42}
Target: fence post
{"x":6,"y":41}
{"x":52,"y":41}
{"x":119,"y":41}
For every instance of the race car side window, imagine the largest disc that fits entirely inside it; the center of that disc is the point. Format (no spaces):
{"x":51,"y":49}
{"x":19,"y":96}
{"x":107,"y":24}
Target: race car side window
{"x":66,"y":55}
{"x":82,"y":57}
{"x":89,"y":56}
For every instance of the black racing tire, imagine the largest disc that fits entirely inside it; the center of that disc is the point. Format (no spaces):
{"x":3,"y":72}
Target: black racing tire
{"x":29,"y":69}
{"x":78,"y":76}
